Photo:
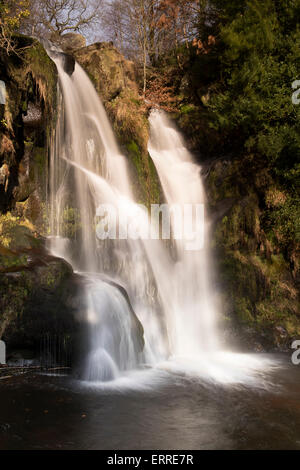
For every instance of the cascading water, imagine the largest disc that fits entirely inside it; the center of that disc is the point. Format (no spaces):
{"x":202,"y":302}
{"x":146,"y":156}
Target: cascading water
{"x":192,"y":313}
{"x":132,"y":285}
{"x":193,"y":316}
{"x":87,"y":169}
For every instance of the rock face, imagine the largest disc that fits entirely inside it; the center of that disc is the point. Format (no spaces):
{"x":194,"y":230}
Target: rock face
{"x":36,"y":289}
{"x":25,"y":121}
{"x":72,"y":41}
{"x":69,"y":64}
{"x":115,"y":79}
{"x":109,"y":70}
{"x":259,"y":281}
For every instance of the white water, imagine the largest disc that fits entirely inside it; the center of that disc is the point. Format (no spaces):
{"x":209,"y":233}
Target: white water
{"x":193,"y":316}
{"x":87,"y":169}
{"x":171,"y":295}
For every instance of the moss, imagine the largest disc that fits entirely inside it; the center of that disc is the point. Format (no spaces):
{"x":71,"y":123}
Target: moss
{"x":53,"y":276}
{"x":32,"y":300}
{"x":258,"y":286}
{"x":31,"y":78}
{"x":135,"y":157}
{"x":133,"y":148}
{"x":35,"y":70}
{"x":16,"y":232}
{"x":44,"y":73}
{"x":243,"y":311}
{"x":156,"y":190}
{"x":10,"y":261}
{"x":187,"y":108}
{"x":145,"y":179}
{"x":39,"y":163}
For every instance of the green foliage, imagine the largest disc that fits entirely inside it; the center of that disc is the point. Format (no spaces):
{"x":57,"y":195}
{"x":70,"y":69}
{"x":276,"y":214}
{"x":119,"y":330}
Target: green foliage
{"x":187,"y":108}
{"x":284,"y":222}
{"x":252,"y":103}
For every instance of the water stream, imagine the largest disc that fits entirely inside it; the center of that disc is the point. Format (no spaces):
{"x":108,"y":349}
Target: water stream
{"x":87,"y":169}
{"x":135,"y":286}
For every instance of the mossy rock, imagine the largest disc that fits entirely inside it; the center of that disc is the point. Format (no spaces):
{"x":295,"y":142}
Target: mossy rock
{"x":115,"y":80}
{"x":257,"y":275}
{"x":108,"y":69}
{"x":31,"y":80}
{"x":35,"y":300}
{"x":17,"y":233}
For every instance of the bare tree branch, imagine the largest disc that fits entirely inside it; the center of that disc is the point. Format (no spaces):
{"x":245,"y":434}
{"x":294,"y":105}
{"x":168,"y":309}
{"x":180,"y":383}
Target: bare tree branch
{"x":56,"y":17}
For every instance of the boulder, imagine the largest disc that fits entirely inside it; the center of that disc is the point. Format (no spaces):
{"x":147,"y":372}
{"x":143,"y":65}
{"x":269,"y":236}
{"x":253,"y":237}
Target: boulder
{"x":36,"y":290}
{"x":70,"y":42}
{"x":109,"y":70}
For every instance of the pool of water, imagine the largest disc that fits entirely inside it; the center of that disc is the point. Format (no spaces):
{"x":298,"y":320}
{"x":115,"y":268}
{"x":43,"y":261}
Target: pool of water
{"x":180,"y":404}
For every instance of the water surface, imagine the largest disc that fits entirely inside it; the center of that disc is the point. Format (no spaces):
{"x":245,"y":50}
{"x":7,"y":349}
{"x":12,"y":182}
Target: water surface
{"x":162,"y":408}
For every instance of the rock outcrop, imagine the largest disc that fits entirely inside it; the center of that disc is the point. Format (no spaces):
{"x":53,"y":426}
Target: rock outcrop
{"x":259,"y":280}
{"x":25,"y":122}
{"x":37,"y":290}
{"x":70,"y":42}
{"x":116,"y":81}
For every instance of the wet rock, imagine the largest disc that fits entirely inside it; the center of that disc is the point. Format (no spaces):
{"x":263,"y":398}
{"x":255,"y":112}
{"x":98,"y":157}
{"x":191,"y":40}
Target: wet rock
{"x":35,"y":290}
{"x":137,"y":324}
{"x":26,"y":119}
{"x":68,"y":63}
{"x":281,"y":331}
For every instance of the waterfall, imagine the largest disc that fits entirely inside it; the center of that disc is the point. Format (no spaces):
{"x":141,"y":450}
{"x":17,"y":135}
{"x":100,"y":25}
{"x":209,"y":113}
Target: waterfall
{"x":192,"y":319}
{"x":146,"y":301}
{"x":120,"y":290}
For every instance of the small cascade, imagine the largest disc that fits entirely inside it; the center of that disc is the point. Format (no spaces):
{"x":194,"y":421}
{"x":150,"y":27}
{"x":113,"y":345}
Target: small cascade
{"x":192,"y":319}
{"x":112,"y":334}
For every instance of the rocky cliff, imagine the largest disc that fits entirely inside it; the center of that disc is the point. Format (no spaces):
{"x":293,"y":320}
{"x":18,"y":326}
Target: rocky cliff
{"x":255,"y":253}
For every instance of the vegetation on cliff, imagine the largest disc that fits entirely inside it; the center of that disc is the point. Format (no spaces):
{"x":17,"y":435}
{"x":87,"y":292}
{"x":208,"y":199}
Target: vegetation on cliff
{"x":25,"y":121}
